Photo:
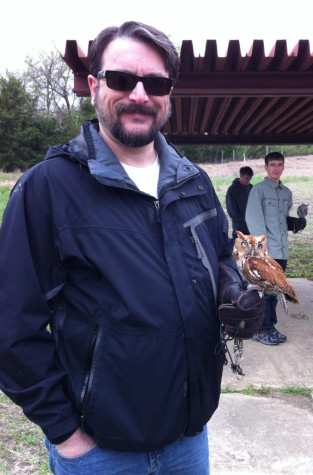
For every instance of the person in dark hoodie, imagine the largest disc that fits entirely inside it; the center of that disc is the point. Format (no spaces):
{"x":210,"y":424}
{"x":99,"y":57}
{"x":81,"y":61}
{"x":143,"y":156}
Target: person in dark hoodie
{"x":110,"y":264}
{"x":237,"y":198}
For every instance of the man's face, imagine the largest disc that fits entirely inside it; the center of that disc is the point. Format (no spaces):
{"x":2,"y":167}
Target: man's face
{"x":245,"y":179}
{"x":130,"y":118}
{"x":274,"y":170}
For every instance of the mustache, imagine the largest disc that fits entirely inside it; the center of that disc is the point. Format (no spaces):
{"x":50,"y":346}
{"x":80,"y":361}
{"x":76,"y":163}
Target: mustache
{"x":136,"y":109}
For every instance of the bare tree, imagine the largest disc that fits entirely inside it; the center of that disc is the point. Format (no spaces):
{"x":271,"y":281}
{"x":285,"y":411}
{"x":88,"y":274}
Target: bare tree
{"x":50,"y":79}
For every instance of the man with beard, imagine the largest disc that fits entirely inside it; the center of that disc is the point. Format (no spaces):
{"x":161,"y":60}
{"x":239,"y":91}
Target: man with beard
{"x":110,"y":257}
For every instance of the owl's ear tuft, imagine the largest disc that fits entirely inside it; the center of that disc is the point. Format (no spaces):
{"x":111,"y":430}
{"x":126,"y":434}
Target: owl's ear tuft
{"x":240,"y":235}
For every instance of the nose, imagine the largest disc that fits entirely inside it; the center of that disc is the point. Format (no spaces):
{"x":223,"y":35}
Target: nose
{"x":138,"y":94}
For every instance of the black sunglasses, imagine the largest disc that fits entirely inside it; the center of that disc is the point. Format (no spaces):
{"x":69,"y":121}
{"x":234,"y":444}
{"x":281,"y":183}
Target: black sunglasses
{"x":120,"y":81}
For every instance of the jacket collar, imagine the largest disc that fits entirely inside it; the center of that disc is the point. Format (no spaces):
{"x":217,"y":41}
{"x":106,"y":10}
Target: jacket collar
{"x":104,"y":165}
{"x":272,"y":184}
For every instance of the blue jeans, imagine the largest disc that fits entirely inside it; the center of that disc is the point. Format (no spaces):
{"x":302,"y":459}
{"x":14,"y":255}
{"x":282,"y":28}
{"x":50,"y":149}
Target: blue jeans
{"x":270,"y":317}
{"x":186,"y":456}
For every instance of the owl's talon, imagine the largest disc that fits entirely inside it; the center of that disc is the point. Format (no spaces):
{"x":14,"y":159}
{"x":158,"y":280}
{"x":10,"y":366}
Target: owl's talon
{"x":257,"y":288}
{"x":254,"y":287}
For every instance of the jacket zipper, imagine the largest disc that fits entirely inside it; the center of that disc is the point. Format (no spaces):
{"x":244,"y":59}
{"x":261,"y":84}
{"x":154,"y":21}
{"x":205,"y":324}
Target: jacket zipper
{"x":170,"y":187}
{"x":201,"y":255}
{"x":186,"y":415}
{"x":157,"y":208}
{"x":90,"y":373}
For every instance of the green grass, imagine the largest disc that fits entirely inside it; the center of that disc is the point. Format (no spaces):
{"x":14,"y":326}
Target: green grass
{"x":300,"y":262}
{"x":9,"y":176}
{"x":298,"y":390}
{"x":4,"y":196}
{"x":22,"y":448}
{"x":249,"y":391}
{"x":267,"y":390}
{"x":296,"y":179}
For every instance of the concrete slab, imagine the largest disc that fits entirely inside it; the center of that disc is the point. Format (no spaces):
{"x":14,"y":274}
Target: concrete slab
{"x":260,"y":435}
{"x":269,"y":433}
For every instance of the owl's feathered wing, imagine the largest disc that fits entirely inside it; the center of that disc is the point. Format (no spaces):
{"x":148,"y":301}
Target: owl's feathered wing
{"x":269,"y":275}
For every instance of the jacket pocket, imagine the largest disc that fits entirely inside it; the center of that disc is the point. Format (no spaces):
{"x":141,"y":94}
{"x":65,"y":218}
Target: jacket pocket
{"x":194,"y":225}
{"x":136,"y":395}
{"x":286,"y":207}
{"x":270,"y":206}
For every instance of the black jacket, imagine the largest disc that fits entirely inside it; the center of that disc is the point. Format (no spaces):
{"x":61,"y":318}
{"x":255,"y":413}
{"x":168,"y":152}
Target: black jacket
{"x":236,"y":203}
{"x":128,"y":285}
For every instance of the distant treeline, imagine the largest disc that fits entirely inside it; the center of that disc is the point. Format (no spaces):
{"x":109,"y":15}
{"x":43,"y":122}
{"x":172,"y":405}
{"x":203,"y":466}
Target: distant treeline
{"x":227,"y":153}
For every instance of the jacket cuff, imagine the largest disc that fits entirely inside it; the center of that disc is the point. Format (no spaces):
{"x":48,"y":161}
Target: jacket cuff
{"x":229,"y":284}
{"x":59,"y":433}
{"x":63,"y":438}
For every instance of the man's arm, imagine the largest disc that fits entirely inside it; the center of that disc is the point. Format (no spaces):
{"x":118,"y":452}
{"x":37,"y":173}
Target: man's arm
{"x":232,"y":297}
{"x":254,"y":212}
{"x":231,"y":205}
{"x":235,"y":212}
{"x":30,"y":371}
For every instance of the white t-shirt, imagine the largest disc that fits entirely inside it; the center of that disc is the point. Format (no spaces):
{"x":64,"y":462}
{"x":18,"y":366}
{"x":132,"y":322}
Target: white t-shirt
{"x":146,"y":178}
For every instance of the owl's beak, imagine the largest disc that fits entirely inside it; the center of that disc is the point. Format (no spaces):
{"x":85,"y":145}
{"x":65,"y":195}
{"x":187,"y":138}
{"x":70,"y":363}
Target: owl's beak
{"x":252,"y":252}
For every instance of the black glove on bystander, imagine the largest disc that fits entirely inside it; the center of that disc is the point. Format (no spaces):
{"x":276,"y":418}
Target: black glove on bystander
{"x":240,"y":311}
{"x":295,"y":224}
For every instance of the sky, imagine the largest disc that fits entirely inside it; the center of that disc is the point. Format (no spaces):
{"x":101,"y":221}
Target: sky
{"x":30,"y":26}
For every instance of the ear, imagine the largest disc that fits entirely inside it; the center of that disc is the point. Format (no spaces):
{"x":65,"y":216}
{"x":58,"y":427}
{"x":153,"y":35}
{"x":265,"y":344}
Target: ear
{"x":93,"y":86}
{"x":240,"y":235}
{"x":263,"y":238}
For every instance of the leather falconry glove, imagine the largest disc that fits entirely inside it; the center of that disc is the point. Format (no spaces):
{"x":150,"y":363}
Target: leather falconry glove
{"x":241,"y":310}
{"x":295,"y":224}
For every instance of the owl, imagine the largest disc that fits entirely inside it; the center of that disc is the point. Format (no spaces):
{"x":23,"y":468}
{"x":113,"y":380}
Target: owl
{"x":302,"y":210}
{"x":260,"y":270}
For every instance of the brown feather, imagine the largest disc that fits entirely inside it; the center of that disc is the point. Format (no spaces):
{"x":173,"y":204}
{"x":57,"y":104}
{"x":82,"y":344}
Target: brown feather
{"x":271,"y":274}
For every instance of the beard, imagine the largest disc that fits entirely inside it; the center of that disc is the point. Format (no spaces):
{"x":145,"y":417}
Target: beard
{"x":131,"y":138}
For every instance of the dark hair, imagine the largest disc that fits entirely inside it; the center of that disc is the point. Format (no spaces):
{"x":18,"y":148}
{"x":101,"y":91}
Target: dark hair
{"x":246,"y":171}
{"x":138,"y":31}
{"x":274,"y":156}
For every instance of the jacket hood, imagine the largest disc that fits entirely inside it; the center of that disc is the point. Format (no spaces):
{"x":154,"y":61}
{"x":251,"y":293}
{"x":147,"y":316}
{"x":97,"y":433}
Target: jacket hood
{"x":236,"y":182}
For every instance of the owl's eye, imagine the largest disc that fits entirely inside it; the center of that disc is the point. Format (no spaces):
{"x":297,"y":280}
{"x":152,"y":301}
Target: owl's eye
{"x":260,"y":245}
{"x":244,"y":244}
